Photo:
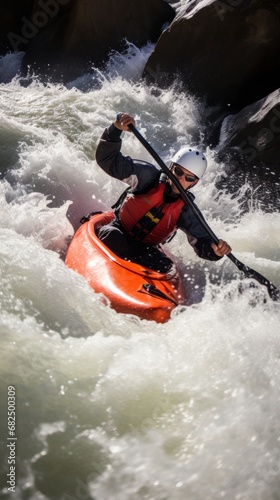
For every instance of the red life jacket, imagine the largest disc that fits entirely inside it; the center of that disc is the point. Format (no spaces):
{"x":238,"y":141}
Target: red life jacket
{"x":148,"y":218}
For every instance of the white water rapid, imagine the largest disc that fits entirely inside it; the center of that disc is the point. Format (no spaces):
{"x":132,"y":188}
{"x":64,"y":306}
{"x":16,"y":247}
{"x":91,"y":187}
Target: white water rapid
{"x":109,"y":407}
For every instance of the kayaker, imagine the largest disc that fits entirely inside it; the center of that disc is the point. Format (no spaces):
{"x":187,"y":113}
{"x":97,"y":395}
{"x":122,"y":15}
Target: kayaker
{"x":150,"y":211}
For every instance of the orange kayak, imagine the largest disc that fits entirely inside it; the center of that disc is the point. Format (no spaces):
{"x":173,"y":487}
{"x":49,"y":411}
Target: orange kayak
{"x":130,"y":287}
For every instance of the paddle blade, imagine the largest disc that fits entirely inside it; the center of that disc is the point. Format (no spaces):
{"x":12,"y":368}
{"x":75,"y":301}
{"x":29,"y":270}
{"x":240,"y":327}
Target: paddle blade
{"x":273,"y":292}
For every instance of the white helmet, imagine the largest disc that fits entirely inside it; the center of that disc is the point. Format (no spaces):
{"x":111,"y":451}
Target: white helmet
{"x":192,"y":160}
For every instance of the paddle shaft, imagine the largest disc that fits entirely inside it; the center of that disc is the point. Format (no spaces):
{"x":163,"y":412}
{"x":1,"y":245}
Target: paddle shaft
{"x":175,"y":181}
{"x":250,"y":273}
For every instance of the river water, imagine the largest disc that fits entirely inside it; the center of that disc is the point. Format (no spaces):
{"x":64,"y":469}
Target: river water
{"x":109,"y":407}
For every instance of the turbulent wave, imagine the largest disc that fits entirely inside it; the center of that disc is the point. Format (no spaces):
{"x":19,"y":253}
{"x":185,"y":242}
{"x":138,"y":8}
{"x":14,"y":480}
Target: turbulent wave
{"x":108,"y":406}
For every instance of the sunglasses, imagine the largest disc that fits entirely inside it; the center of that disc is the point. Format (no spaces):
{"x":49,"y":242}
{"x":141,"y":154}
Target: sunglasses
{"x":179,"y":172}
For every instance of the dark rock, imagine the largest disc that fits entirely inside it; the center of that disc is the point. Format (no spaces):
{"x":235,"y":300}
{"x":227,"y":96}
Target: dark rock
{"x":250,"y":145}
{"x":82,"y":33}
{"x":224,"y":52}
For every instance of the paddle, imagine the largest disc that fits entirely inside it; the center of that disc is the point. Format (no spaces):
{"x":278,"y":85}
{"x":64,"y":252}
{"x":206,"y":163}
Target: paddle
{"x":274,"y":293}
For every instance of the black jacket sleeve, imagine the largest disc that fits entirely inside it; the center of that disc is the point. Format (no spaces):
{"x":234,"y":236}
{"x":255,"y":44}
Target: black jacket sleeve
{"x":136,"y":173}
{"x":196,"y":234}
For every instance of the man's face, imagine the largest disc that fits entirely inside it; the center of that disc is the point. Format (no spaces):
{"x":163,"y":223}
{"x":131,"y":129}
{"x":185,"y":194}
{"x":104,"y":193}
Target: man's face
{"x":186,"y":178}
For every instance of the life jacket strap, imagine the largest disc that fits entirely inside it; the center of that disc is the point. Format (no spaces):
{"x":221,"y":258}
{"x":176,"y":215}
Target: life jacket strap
{"x":147,"y":223}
